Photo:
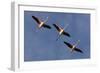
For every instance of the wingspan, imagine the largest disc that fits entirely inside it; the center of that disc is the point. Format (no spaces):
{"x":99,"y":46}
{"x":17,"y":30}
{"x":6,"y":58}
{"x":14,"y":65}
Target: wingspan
{"x":56,"y":27}
{"x":78,"y":50}
{"x":68,"y":44}
{"x":67,"y":34}
{"x":36,"y":19}
{"x":46,"y":26}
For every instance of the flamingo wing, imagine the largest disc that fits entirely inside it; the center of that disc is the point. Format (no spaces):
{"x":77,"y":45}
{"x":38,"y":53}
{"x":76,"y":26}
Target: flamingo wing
{"x":67,"y":34}
{"x":47,"y":26}
{"x":68,"y":44}
{"x":58,"y":28}
{"x":36,"y":19}
{"x":78,"y":50}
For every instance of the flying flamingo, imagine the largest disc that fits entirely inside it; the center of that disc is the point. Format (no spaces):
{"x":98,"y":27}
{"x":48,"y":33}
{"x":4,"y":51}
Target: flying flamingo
{"x":61,"y":31}
{"x":73,"y":47}
{"x":41,"y":23}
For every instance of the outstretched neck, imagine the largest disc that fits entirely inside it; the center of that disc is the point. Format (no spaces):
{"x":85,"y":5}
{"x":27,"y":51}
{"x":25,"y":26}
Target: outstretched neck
{"x":66,"y":26}
{"x":46,"y":20}
{"x":76,"y":43}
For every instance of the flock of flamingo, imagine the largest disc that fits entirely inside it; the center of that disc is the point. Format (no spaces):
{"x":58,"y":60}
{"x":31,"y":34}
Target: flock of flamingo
{"x":61,"y":31}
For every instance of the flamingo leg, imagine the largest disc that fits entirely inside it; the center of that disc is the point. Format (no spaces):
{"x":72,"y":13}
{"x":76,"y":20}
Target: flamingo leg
{"x":58,"y":37}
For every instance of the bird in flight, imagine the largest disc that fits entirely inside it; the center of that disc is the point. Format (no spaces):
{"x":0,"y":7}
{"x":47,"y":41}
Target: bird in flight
{"x":61,"y":31}
{"x":73,"y":47}
{"x":41,"y":23}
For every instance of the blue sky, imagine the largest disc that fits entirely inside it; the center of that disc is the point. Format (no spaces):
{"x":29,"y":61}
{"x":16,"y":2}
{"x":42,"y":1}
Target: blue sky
{"x":41,"y":44}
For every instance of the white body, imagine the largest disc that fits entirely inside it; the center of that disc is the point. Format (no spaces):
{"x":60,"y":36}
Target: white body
{"x":61,"y":31}
{"x":41,"y":24}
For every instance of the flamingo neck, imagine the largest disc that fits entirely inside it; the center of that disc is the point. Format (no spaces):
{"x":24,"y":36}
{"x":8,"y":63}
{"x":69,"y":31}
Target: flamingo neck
{"x":66,"y":26}
{"x":46,"y":20}
{"x":76,"y":43}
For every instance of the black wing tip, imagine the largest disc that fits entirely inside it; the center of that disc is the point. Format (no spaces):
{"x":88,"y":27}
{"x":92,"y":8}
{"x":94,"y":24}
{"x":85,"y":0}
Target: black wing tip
{"x":69,"y":35}
{"x":54,"y":24}
{"x":66,"y":33}
{"x":82,"y":52}
{"x":78,"y":50}
{"x":50,"y":28}
{"x":65,"y":42}
{"x":33,"y":16}
{"x":47,"y":26}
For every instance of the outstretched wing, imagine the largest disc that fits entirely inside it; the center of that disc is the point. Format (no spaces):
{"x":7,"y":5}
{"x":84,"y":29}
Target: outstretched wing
{"x":56,"y":27}
{"x":78,"y":50}
{"x":68,"y":44}
{"x":46,"y":26}
{"x":36,"y":19}
{"x":67,"y":34}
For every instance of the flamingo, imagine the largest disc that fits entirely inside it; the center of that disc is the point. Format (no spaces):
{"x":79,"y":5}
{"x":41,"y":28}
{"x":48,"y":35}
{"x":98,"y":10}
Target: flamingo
{"x":73,"y":47}
{"x":41,"y":23}
{"x":61,"y":31}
